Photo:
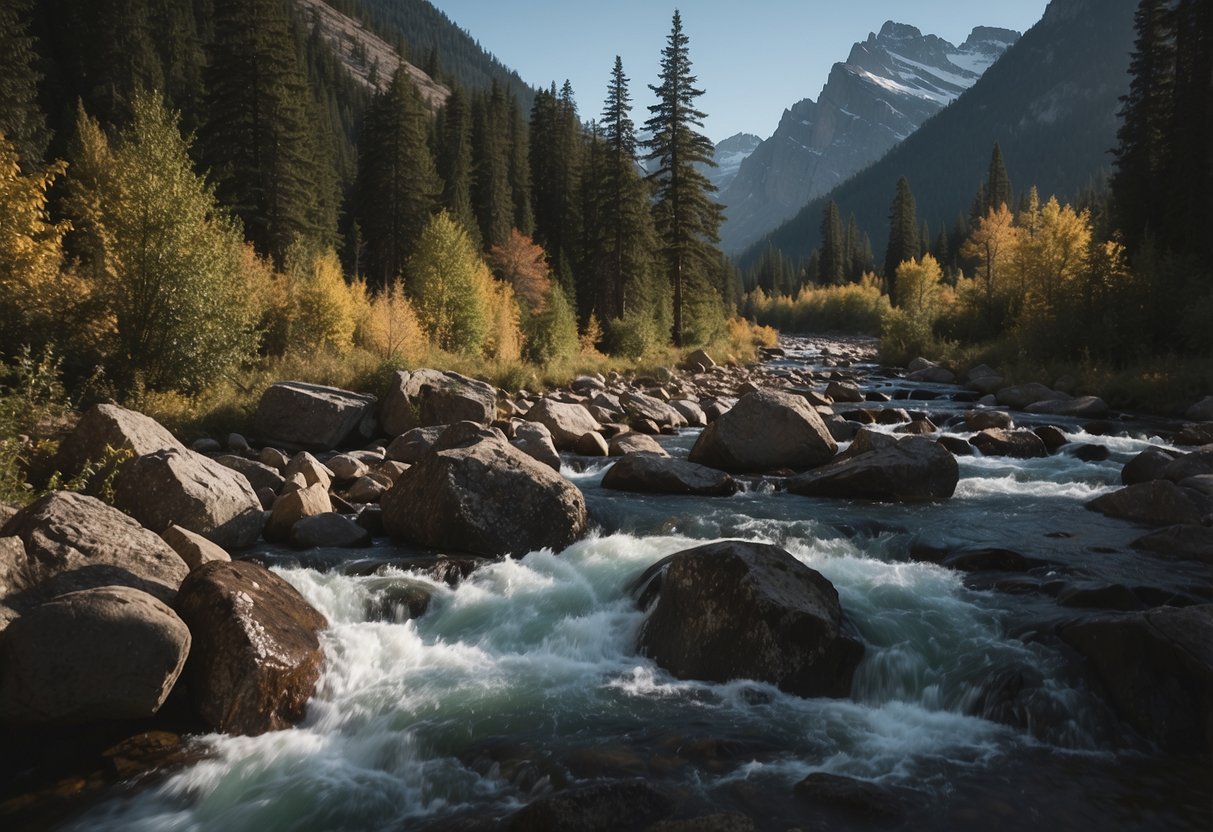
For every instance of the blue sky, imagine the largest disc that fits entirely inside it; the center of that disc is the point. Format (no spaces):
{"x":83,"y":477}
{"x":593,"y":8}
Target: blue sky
{"x":753,"y":58}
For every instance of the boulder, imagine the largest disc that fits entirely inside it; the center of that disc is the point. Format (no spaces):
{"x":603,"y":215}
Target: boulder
{"x":690,"y":412}
{"x":1179,"y":542}
{"x":1202,"y":411}
{"x":193,"y":548}
{"x":955,"y":445}
{"x":699,"y":362}
{"x":293,"y":506}
{"x":743,"y":610}
{"x":346,"y":468}
{"x":313,"y":417}
{"x":110,"y":652}
{"x":72,"y":542}
{"x":108,"y":425}
{"x":488,"y":498}
{"x":844,"y":391}
{"x":1156,"y":503}
{"x":1147,"y":465}
{"x":12,"y":565}
{"x":588,"y":384}
{"x":1195,"y":434}
{"x":977,"y":420}
{"x":640,"y":406}
{"x":413,"y":444}
{"x":256,"y":656}
{"x":858,"y":797}
{"x":1020,"y":444}
{"x":190,"y":490}
{"x":592,"y":444}
{"x":1091,"y":453}
{"x":535,"y":440}
{"x":875,"y":467}
{"x":1186,"y":466}
{"x":566,"y":422}
{"x":635,"y":443}
{"x":1156,"y":668}
{"x":652,"y":474}
{"x":1083,"y":407}
{"x":312,"y":470}
{"x":274,"y":458}
{"x":258,"y":474}
{"x":1022,"y":395}
{"x":918,"y":427}
{"x":984,"y":379}
{"x":764,"y":431}
{"x":329,"y":529}
{"x":1053,"y":437}
{"x":932,"y":375}
{"x":368,"y":489}
{"x":424,"y":398}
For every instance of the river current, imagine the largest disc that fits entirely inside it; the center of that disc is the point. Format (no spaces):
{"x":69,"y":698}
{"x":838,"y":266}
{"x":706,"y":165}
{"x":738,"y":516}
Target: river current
{"x":524,"y":679}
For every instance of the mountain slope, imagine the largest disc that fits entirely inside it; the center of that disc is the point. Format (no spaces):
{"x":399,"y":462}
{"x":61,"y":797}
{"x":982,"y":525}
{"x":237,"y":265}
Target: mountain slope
{"x":889,"y":85}
{"x":1050,"y":101}
{"x":730,"y":155}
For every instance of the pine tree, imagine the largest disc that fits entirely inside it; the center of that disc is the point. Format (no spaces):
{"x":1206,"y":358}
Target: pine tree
{"x":998,"y":183}
{"x":1188,"y":179}
{"x":21,"y":122}
{"x":455,"y":162}
{"x":258,"y":139}
{"x":520,"y":171}
{"x":687,"y":220}
{"x":833,"y":246}
{"x":903,"y":233}
{"x":397,"y":181}
{"x":491,"y":198}
{"x":556,"y":160}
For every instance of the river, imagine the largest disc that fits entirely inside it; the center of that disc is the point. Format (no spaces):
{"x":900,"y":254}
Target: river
{"x":524,"y":678}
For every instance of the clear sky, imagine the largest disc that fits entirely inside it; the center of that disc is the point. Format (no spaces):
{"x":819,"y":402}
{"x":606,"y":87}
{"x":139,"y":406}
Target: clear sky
{"x":753,"y":58}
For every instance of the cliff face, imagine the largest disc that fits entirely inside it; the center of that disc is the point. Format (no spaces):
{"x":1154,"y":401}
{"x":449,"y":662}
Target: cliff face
{"x":889,"y":85}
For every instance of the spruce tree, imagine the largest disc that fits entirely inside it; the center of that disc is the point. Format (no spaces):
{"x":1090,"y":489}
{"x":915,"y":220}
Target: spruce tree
{"x":1188,"y":179}
{"x":520,"y":171}
{"x":21,"y":122}
{"x":687,"y":219}
{"x":258,"y":140}
{"x":455,"y":162}
{"x":491,"y":198}
{"x":556,"y":160}
{"x":998,"y":183}
{"x":903,"y":233}
{"x":833,"y":246}
{"x":397,"y":182}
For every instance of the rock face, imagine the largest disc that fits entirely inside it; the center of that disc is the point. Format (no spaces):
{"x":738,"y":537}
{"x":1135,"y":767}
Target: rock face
{"x":313,"y":417}
{"x":193,"y":491}
{"x":256,"y":657}
{"x":765,"y":430}
{"x":73,"y":542}
{"x":107,"y":653}
{"x":116,"y":427}
{"x":651,"y":474}
{"x":913,"y":469}
{"x":489,"y":498}
{"x":741,"y":610}
{"x":424,"y":398}
{"x":566,"y":422}
{"x":1158,"y":503}
{"x":1157,"y":669}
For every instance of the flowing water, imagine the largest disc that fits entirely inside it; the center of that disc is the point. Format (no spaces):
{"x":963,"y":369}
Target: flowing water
{"x":525,"y":679}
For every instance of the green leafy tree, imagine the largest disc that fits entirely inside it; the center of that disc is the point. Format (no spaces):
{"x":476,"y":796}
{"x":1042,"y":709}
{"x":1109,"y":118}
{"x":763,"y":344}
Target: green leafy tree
{"x":447,"y":278}
{"x":397,"y":180}
{"x":165,"y":260}
{"x":687,"y":219}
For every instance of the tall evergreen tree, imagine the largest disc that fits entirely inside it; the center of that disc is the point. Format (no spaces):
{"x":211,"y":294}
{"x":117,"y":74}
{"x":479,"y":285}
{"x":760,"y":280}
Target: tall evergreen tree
{"x":687,"y":219}
{"x":455,"y":162}
{"x":998,"y":183}
{"x":21,"y":121}
{"x":258,"y":139}
{"x":397,"y":181}
{"x":903,"y":233}
{"x":491,"y":198}
{"x":833,"y":246}
{"x":1145,"y":119}
{"x":556,"y":150}
{"x":1189,"y":170}
{"x":520,"y":171}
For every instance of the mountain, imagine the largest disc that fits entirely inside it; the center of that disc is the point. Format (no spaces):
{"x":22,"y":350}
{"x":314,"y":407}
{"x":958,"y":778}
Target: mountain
{"x":889,"y":85}
{"x":730,"y":154}
{"x":1051,"y":102}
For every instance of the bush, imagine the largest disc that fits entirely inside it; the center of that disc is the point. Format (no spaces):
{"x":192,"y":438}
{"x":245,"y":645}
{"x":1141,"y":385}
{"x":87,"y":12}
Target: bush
{"x":856,"y":308}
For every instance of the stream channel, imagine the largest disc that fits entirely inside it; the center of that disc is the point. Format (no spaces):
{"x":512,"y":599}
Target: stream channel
{"x":524,"y":679}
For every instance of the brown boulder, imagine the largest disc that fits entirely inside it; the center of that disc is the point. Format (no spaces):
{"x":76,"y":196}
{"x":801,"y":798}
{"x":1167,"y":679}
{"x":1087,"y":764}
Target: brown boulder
{"x":110,"y":652}
{"x":1147,"y":465}
{"x":565,"y":421}
{"x":651,"y":474}
{"x":1157,"y":503}
{"x":742,"y":610}
{"x":193,"y":548}
{"x":108,"y":425}
{"x":293,"y":506}
{"x":256,"y":657}
{"x":635,"y":443}
{"x":985,"y":419}
{"x":764,"y":431}
{"x":314,"y":417}
{"x":876,"y":467}
{"x":425,"y":398}
{"x":1019,"y":444}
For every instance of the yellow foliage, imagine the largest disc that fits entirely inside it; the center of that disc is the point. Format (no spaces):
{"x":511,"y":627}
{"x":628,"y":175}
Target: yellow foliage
{"x":324,"y":310}
{"x":504,"y":341}
{"x":391,"y":328}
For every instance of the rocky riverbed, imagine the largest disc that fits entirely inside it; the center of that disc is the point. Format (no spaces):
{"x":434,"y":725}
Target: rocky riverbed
{"x":947,"y":603}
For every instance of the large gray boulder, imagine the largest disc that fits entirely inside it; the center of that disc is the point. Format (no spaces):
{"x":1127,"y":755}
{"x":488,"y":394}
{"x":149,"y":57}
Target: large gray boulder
{"x":1148,"y":465}
{"x":535,"y":440}
{"x":641,"y":406}
{"x":1156,"y":503}
{"x":1022,"y":395}
{"x":488,"y":498}
{"x":691,"y":412}
{"x":652,"y":474}
{"x":1156,"y":668}
{"x":879,"y":467}
{"x":1179,"y":542}
{"x":258,"y":474}
{"x":565,"y":421}
{"x":72,"y":542}
{"x":192,"y":491}
{"x":1082,"y":407}
{"x":742,"y":610}
{"x":110,"y":652}
{"x":313,"y":417}
{"x":108,"y":426}
{"x":1202,"y":411}
{"x":765,"y":430}
{"x":632,"y":442}
{"x":425,"y":398}
{"x":256,"y":655}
